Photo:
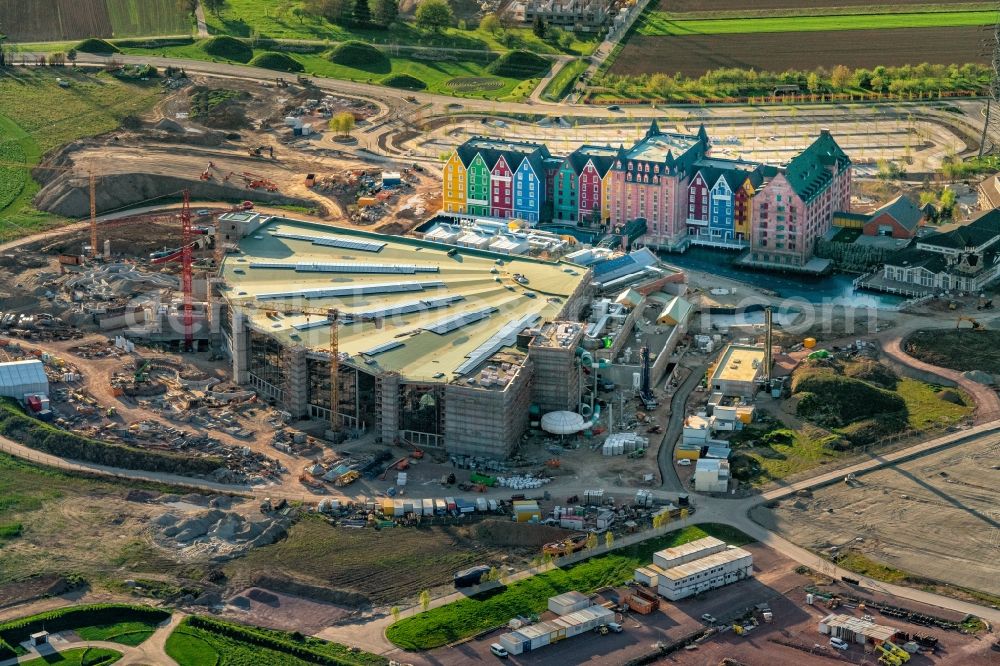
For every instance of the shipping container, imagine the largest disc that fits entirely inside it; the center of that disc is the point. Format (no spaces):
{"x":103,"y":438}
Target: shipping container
{"x":428,"y":507}
{"x":440,"y":507}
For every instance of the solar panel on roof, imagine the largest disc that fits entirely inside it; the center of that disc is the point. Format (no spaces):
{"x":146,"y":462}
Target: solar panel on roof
{"x":502,"y":338}
{"x":317,"y":267}
{"x":308,"y":325}
{"x":388,"y":346}
{"x":453,"y":323}
{"x":334,"y":241}
{"x":352,"y":290}
{"x":410,"y":307}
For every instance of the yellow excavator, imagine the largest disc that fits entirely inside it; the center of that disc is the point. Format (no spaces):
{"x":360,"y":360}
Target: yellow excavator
{"x":976,"y":325}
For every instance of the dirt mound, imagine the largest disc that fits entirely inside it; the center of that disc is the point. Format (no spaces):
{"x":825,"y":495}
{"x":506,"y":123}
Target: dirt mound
{"x":68,"y":195}
{"x":218,"y":533}
{"x":506,"y":533}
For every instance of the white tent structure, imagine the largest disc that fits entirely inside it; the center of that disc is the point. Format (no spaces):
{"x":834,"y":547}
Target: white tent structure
{"x":20,"y":378}
{"x":563,"y":423}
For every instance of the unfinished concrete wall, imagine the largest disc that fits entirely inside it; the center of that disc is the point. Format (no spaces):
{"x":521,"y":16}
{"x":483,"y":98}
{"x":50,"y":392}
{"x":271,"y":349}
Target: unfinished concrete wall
{"x":557,"y":373}
{"x":487,"y":422}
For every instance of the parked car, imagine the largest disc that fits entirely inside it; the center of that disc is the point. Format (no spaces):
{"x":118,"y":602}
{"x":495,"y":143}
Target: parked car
{"x":615,"y":627}
{"x":204,"y":211}
{"x":614,"y":107}
{"x":709,"y":618}
{"x":684,"y":462}
{"x":839,"y":643}
{"x":499,"y":650}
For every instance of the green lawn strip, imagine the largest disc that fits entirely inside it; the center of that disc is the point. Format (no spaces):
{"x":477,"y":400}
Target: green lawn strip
{"x":202,"y":641}
{"x":77,"y":657}
{"x":564,"y":80}
{"x":246,"y":18}
{"x":467,"y":617}
{"x":661,"y":24}
{"x":127,"y":633}
{"x":927,"y":410}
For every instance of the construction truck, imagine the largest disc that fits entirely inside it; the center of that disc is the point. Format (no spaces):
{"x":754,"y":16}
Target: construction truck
{"x":887,"y":657}
{"x":566,"y":546}
{"x":899,"y":652}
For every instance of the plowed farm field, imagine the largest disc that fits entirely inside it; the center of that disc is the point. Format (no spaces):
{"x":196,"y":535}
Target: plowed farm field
{"x":693,"y":55}
{"x":57,"y":20}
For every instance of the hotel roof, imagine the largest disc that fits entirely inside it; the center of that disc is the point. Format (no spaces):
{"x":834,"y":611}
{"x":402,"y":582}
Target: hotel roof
{"x":739,"y":363}
{"x":438,"y":317}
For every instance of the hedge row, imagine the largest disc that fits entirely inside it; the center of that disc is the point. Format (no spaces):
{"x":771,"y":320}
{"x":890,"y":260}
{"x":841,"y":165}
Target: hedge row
{"x":74,"y":617}
{"x":35,"y":434}
{"x":252,"y":637}
{"x":152,"y":42}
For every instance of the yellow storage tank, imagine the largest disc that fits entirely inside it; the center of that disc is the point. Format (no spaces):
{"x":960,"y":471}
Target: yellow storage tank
{"x":809,"y":343}
{"x":366,"y":201}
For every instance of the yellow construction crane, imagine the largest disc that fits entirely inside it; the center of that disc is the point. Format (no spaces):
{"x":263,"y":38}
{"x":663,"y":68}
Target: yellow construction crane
{"x":92,"y":186}
{"x":333,"y":316}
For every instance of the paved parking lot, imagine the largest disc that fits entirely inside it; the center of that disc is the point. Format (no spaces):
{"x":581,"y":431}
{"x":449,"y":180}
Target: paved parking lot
{"x":792,"y":638}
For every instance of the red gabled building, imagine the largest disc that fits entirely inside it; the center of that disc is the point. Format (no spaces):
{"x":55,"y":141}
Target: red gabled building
{"x":501,"y":195}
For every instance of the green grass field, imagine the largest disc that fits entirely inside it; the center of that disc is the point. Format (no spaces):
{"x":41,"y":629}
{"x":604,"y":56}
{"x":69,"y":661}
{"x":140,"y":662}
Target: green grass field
{"x":457,"y":620}
{"x":195,"y":646}
{"x":660,"y":24}
{"x":243,"y":18}
{"x":126,"y":633}
{"x":77,"y":657}
{"x":141,"y":18}
{"x":564,"y":80}
{"x":38,"y":116}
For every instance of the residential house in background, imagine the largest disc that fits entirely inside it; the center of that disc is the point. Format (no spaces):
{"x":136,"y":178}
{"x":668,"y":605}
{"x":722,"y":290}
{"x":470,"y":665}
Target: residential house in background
{"x":582,"y":15}
{"x":581,"y":190}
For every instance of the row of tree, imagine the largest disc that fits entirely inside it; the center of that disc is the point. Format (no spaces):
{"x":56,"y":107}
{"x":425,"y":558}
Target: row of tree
{"x":735,"y":82}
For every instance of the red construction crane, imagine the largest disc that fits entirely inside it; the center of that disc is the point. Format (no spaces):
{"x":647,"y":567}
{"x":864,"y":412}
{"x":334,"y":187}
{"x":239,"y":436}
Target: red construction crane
{"x":186,"y":263}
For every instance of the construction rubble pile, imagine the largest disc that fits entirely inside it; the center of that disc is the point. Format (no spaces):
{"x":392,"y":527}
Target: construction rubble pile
{"x":109,"y":282}
{"x":218,"y":534}
{"x":242,"y":465}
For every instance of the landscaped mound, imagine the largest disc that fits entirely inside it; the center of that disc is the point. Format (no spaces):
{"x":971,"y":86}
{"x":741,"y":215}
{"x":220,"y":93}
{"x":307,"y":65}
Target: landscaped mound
{"x":229,"y":48}
{"x":519,"y":65}
{"x":404,"y":81}
{"x":361,"y":56}
{"x":277,"y":61}
{"x":832,"y":400}
{"x":98,"y":46}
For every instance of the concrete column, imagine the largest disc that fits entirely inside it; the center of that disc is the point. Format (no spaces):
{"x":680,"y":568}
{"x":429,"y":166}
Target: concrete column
{"x":296,"y":384}
{"x":241,"y":342}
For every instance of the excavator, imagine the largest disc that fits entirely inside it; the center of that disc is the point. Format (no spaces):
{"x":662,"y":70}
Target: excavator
{"x":976,"y":325}
{"x":891,"y":654}
{"x":567,"y":546}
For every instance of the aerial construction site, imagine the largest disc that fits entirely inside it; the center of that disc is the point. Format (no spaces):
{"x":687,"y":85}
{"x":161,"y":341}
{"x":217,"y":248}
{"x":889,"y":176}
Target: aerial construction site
{"x":325,"y":378}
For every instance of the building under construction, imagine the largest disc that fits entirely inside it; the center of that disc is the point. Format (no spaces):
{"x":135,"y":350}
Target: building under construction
{"x":437,"y":346}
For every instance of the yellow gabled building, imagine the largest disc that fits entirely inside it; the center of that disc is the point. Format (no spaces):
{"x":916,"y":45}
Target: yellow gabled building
{"x":453,"y":185}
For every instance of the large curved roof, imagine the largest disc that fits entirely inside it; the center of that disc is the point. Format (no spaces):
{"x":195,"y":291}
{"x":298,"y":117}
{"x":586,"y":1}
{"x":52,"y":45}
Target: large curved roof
{"x":440,"y":316}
